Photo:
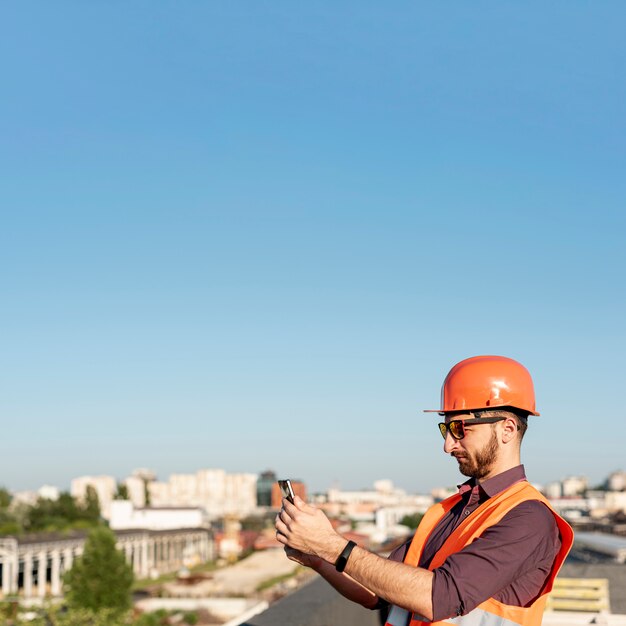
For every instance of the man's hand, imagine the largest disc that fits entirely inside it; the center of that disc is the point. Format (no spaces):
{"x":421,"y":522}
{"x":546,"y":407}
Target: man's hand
{"x":305,"y":528}
{"x":308,"y":560}
{"x":307,"y":535}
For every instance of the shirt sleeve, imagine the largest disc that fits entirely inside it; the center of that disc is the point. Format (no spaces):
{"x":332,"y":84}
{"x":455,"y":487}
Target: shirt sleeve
{"x":510,"y":561}
{"x":399,"y":553}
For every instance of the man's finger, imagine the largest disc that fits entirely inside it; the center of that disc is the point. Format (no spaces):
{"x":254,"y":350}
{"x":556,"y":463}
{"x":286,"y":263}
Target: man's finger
{"x":304,"y":506}
{"x":298,"y":504}
{"x":288,"y":506}
{"x":282,"y":528}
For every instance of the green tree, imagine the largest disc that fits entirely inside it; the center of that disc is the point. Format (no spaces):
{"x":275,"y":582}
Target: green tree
{"x":8,"y":522}
{"x":66,"y":508}
{"x":146,"y":491}
{"x":5,"y":498}
{"x":122,"y":492}
{"x":190,"y":618}
{"x":65,"y":512}
{"x":91,"y":507}
{"x":154,"y":618}
{"x":8,"y":525}
{"x":60,"y":616}
{"x":412,"y":521}
{"x":8,"y":612}
{"x":100,"y":578}
{"x":42,"y":516}
{"x":60,"y":514}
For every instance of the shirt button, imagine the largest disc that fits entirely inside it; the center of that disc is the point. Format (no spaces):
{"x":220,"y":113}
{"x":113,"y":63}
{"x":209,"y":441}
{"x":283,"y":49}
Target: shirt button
{"x":466,"y":513}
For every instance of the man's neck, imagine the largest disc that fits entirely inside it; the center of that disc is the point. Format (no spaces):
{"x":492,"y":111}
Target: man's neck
{"x":500,"y":467}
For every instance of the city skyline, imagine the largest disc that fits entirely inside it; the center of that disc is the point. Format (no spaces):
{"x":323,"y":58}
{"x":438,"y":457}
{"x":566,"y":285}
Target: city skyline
{"x":78,"y":483}
{"x":258,"y":236}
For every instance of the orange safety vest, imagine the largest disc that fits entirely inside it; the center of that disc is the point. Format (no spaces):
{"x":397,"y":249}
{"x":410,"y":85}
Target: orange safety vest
{"x":490,"y":612}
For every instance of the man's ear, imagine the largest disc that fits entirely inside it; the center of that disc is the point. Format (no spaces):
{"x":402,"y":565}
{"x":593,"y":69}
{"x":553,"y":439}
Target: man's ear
{"x":509,"y":429}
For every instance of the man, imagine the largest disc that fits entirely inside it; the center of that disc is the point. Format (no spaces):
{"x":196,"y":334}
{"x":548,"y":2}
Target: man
{"x":488,"y":554}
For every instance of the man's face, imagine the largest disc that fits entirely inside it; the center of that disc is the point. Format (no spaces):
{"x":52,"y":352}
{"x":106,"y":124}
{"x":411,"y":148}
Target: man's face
{"x":477,"y":452}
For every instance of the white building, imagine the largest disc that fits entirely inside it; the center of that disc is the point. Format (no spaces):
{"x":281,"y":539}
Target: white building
{"x":553,"y":490}
{"x":48,"y":492}
{"x":615,"y":501}
{"x":33,"y":567}
{"x":441,"y":493}
{"x":147,"y":475}
{"x":214,"y":490}
{"x":136,"y":487}
{"x":389,"y":516}
{"x":378,"y":511}
{"x":383,"y":494}
{"x":24,"y":497}
{"x":124,"y":516}
{"x":617,"y":481}
{"x":573,"y":486}
{"x":105,"y":486}
{"x":384,"y":486}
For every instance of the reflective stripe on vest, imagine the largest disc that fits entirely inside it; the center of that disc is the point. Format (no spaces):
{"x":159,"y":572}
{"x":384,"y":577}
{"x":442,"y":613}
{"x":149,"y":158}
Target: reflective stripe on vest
{"x":398,"y":617}
{"x":490,"y":612}
{"x":479,"y":617}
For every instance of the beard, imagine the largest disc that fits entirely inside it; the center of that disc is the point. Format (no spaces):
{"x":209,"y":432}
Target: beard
{"x":479,"y":464}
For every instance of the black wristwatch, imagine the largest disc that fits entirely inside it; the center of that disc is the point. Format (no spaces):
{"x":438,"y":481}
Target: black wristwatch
{"x":342,"y":559}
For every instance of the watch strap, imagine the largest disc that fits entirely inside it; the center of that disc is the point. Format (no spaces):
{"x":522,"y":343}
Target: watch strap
{"x":342,"y":559}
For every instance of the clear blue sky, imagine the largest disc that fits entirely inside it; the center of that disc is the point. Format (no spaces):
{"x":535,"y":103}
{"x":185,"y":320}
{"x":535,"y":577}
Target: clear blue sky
{"x":257,"y":235}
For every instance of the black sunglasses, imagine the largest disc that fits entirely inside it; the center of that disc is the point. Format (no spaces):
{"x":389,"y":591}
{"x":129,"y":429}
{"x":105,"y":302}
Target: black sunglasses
{"x":457,"y":427}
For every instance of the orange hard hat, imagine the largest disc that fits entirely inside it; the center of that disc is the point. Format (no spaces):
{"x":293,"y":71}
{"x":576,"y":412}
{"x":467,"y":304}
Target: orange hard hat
{"x":487,"y":382}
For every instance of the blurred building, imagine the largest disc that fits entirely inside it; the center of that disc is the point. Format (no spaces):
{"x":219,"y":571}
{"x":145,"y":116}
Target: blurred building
{"x":299,"y":488}
{"x":28,"y":498}
{"x":48,"y":492}
{"x":32,"y":566}
{"x":105,"y":486}
{"x":574,"y":486}
{"x":214,"y":490}
{"x":570,"y":487}
{"x":366,"y":502}
{"x":617,"y":481}
{"x":441,"y":493}
{"x":124,"y":516}
{"x":147,"y":475}
{"x":376,"y":513}
{"x":553,"y":490}
{"x":136,"y":487}
{"x":264,"y":488}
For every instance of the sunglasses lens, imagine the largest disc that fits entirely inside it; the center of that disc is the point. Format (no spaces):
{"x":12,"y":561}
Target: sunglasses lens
{"x":456,"y":429}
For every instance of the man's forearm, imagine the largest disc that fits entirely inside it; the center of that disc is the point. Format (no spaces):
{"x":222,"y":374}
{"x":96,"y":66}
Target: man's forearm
{"x":306,"y":529}
{"x":407,"y":586}
{"x":347,"y":586}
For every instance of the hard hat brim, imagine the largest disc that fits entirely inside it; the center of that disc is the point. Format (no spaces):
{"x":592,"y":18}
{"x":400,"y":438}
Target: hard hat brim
{"x":479,"y":408}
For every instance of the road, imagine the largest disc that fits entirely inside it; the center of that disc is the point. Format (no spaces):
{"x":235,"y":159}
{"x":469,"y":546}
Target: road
{"x":240,"y":579}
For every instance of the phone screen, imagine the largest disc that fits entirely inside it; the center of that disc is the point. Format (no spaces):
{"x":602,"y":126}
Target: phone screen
{"x":286,"y":489}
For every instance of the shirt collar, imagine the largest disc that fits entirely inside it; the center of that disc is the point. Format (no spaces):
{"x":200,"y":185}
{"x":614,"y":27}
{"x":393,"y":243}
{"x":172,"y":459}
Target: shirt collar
{"x":494,"y":485}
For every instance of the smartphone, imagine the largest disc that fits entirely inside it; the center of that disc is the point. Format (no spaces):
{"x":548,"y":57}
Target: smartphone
{"x":287,"y":490}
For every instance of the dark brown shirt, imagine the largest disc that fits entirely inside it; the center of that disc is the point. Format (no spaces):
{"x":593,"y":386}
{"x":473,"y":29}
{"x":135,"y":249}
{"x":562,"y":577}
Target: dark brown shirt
{"x":510,"y":561}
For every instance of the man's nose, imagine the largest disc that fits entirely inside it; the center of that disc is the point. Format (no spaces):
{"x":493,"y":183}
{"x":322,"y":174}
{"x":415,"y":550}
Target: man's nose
{"x":449,"y":443}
